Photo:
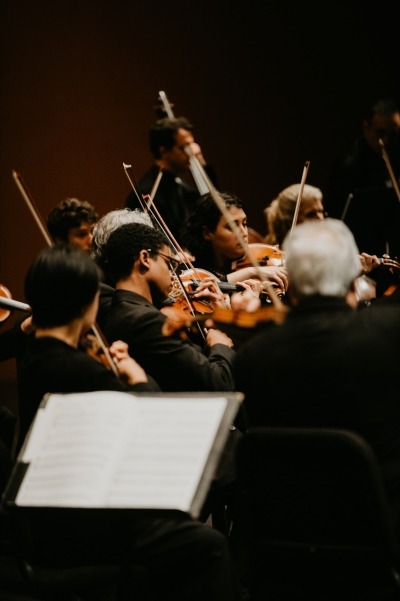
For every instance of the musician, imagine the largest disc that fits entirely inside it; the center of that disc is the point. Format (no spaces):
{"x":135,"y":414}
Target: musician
{"x":177,"y":190}
{"x":140,"y":265}
{"x":62,"y":289}
{"x":101,"y":232}
{"x":209,"y":238}
{"x":177,"y":553}
{"x":360,"y":189}
{"x":72,"y":221}
{"x":328,"y":365}
{"x":109,"y":222}
{"x":279,"y":214}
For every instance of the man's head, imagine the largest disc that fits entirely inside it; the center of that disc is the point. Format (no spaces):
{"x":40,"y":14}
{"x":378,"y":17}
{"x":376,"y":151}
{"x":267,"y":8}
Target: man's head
{"x":382,"y":122}
{"x":169,"y":141}
{"x":109,"y":222}
{"x":72,"y":221}
{"x":140,"y":253}
{"x":321,"y":258}
{"x":162,"y":136}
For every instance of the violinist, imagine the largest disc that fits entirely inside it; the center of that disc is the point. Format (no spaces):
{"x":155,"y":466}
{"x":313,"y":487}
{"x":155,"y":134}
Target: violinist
{"x":327,"y":364}
{"x":139,"y":264}
{"x":177,"y":554}
{"x":62,"y":289}
{"x":210,"y":239}
{"x":72,"y":221}
{"x":280,"y":213}
{"x":101,"y":233}
{"x":177,"y":191}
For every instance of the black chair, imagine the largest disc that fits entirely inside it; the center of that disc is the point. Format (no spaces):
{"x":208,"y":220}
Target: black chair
{"x":313,"y":518}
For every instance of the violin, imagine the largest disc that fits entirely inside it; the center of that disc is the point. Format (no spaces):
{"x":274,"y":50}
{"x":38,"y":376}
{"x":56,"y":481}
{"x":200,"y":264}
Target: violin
{"x":90,"y":344}
{"x":179,"y":306}
{"x":387,"y":261}
{"x":192,"y":277}
{"x":264,"y":254}
{"x":240,"y":318}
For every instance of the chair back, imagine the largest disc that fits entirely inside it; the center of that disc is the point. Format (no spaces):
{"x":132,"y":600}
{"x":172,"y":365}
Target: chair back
{"x":314,"y":514}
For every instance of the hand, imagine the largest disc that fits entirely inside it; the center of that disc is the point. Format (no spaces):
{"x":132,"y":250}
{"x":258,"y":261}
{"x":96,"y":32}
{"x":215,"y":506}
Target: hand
{"x":274,"y":273}
{"x":208,"y":289}
{"x":245,"y":301}
{"x":369,"y":262}
{"x":196,"y":151}
{"x":217,"y":337}
{"x":27,"y":325}
{"x":253,"y":285}
{"x":128,"y":368}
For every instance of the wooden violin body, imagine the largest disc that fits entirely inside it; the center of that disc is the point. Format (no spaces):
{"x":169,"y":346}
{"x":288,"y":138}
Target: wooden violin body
{"x":242,"y":319}
{"x":264,"y":254}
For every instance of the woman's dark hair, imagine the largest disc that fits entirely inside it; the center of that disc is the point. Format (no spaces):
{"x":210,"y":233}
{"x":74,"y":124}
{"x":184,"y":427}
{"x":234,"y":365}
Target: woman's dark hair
{"x":205,"y":213}
{"x":61,"y":282}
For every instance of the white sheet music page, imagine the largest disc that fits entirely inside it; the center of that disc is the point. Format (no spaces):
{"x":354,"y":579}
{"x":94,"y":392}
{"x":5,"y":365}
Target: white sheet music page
{"x":113,"y":449}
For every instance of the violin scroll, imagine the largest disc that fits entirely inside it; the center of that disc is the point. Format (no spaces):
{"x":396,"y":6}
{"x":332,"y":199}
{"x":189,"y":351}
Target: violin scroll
{"x":387,"y":261}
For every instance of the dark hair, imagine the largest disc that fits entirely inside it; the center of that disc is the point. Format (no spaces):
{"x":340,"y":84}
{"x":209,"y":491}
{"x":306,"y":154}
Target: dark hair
{"x":124,"y":245}
{"x":69,"y":213}
{"x":163,"y":133}
{"x":205,"y":213}
{"x":381,"y":106}
{"x":61,"y":282}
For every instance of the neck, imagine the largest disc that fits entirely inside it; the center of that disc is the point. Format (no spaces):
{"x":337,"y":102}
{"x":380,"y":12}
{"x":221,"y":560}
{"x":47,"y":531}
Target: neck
{"x":139,"y":286}
{"x":71,"y":333}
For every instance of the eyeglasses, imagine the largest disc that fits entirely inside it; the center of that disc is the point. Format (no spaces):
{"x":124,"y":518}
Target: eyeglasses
{"x":172,"y":263}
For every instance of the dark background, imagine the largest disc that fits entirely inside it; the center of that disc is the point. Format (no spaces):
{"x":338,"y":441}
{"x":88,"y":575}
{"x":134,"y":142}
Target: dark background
{"x":267,"y":85}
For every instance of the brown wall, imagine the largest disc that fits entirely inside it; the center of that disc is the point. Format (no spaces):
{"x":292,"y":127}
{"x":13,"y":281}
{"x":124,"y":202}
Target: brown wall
{"x":267,"y":88}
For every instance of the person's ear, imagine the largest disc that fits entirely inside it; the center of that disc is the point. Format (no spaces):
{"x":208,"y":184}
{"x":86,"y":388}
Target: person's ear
{"x":144,"y":260}
{"x":206,"y":233}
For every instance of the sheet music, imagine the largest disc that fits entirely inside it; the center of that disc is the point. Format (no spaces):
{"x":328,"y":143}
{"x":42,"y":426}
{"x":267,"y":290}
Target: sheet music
{"x":113,"y":449}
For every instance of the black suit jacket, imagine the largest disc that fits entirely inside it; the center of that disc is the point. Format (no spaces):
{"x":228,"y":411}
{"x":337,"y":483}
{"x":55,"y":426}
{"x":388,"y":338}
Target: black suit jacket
{"x":174,"y":200}
{"x":176,"y":365}
{"x":328,"y":365}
